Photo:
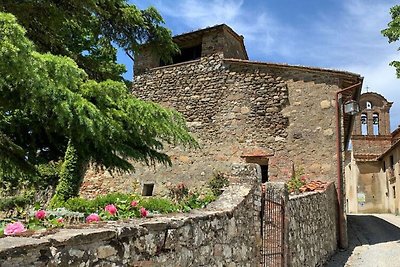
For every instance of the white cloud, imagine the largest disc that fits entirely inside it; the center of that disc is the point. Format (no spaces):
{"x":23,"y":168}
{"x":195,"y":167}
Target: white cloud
{"x":348,"y":38}
{"x":259,"y":28}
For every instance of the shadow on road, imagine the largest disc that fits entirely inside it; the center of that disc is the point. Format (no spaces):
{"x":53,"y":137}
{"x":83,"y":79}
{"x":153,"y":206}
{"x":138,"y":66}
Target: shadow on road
{"x":364,"y":230}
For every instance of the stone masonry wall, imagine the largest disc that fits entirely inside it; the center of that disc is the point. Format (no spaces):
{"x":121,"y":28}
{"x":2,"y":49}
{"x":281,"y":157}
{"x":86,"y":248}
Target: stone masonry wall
{"x":224,"y":234}
{"x":235,"y":107}
{"x":312,"y":227}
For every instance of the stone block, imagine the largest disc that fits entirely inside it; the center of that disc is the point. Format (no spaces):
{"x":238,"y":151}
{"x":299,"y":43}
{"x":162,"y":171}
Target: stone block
{"x":325,"y":104}
{"x":104,"y":252}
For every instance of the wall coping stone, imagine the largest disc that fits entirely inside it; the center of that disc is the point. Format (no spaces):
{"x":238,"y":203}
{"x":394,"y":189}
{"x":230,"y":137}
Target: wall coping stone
{"x":233,"y":196}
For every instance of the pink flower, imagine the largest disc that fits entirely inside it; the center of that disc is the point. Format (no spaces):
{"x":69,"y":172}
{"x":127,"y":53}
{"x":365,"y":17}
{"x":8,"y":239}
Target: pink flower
{"x":143,"y":212}
{"x":111,"y":209}
{"x":60,"y":220}
{"x":92,"y":218}
{"x":134,"y":203}
{"x":14,"y":228}
{"x":40,"y":214}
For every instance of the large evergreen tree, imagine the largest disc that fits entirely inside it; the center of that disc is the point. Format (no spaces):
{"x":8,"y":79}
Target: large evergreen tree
{"x":51,"y":110}
{"x":88,"y":31}
{"x":392,"y":32}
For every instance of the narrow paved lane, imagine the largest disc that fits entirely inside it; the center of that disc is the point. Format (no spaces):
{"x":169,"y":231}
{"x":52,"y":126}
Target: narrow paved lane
{"x":374,"y":241}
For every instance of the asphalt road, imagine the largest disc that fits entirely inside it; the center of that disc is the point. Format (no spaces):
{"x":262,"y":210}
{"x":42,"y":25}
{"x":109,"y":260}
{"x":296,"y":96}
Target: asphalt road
{"x":374,"y":241}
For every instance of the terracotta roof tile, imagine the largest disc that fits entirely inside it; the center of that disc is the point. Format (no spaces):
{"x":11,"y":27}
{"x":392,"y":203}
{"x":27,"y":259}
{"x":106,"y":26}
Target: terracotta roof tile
{"x":314,"y":186}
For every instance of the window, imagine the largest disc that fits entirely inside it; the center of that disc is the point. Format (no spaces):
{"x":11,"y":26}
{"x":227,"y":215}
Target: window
{"x":384,"y":165}
{"x":392,"y":162}
{"x":264,"y":173}
{"x":394,"y":191}
{"x":364,"y":125}
{"x":368,"y":105}
{"x":187,"y":54}
{"x":148,"y":189}
{"x":375,"y":123}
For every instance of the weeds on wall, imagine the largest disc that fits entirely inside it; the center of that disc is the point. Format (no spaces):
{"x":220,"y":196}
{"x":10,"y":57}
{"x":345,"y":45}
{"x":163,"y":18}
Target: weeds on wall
{"x":297,"y":180}
{"x":217,"y":183}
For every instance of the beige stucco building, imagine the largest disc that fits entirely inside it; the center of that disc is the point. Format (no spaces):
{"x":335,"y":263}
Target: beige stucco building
{"x":372,"y":175}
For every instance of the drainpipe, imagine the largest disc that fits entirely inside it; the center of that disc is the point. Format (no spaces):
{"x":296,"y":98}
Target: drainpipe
{"x":343,"y":241}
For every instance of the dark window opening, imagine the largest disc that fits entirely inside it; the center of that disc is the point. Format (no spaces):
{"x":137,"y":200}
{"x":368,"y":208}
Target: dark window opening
{"x":392,"y":161}
{"x":384,"y":166}
{"x":148,"y":189}
{"x":364,"y":125}
{"x":394,"y":191}
{"x":264,"y":173}
{"x":375,"y":123}
{"x":187,"y":54}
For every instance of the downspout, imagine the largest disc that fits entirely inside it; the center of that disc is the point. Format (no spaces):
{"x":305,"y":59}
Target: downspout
{"x":343,"y":241}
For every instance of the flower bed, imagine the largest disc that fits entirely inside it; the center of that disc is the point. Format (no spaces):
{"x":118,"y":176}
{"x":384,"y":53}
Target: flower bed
{"x":76,"y":212}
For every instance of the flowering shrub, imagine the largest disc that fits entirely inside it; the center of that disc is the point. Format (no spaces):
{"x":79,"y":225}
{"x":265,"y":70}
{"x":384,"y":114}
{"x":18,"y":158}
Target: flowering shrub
{"x":40,"y":214}
{"x":14,"y":228}
{"x":111,"y":209}
{"x":143,"y":212}
{"x":93,"y":218}
{"x":115,"y":206}
{"x":178,"y":192}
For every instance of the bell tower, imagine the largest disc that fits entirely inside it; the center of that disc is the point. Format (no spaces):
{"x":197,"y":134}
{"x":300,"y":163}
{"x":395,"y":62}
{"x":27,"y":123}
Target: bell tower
{"x":371,"y":130}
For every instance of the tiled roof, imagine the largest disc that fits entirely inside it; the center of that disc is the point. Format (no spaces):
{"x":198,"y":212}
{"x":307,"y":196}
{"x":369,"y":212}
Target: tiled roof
{"x":314,"y":186}
{"x":366,"y":156}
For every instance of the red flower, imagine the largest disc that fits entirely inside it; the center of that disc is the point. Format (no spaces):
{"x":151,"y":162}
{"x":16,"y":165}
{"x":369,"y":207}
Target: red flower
{"x":60,"y":220}
{"x":92,"y":218}
{"x":111,"y":209}
{"x":134,"y":203}
{"x":143,"y":212}
{"x":40,"y":214}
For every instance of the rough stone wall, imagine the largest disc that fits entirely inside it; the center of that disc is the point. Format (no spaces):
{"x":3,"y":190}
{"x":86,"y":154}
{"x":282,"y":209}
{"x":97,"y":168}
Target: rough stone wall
{"x":235,"y":106}
{"x":224,"y":234}
{"x":312,"y":227}
{"x":234,"y":48}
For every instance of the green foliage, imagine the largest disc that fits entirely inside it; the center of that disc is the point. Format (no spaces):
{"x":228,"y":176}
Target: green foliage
{"x":296,"y":181}
{"x":392,"y":32}
{"x":88,"y":31}
{"x":187,"y":200}
{"x":105,"y":124}
{"x":160,"y":205}
{"x":113,"y":198}
{"x":15,"y":202}
{"x":48,"y":174}
{"x":71,"y":176}
{"x":195,"y":201}
{"x":2,"y":226}
{"x":78,"y":204}
{"x":217,"y":182}
{"x":178,"y":192}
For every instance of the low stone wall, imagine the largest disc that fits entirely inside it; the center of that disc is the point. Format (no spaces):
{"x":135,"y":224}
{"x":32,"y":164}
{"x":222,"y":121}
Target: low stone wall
{"x":224,"y":234}
{"x":312,"y":227}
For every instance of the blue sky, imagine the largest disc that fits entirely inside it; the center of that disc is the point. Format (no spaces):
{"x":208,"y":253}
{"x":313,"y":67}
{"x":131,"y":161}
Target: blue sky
{"x":336,"y":34}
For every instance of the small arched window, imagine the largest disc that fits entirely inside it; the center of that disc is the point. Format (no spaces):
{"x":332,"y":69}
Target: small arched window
{"x":375,"y":123}
{"x":364,"y":126}
{"x":368,"y":105}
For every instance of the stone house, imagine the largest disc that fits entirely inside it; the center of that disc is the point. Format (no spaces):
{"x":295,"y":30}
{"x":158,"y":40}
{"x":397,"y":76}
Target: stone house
{"x":372,"y":175}
{"x":282,"y":117}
